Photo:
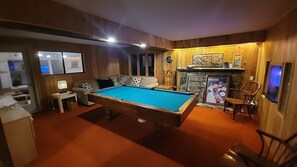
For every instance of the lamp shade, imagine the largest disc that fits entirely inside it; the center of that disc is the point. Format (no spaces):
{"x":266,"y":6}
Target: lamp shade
{"x":62,"y":84}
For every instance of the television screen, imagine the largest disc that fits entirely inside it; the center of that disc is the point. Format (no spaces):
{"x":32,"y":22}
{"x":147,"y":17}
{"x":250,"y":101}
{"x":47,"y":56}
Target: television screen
{"x":274,"y":82}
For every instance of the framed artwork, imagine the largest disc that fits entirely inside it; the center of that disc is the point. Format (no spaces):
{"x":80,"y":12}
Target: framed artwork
{"x":217,"y":88}
{"x":73,"y":62}
{"x":208,"y":60}
{"x":236,"y":63}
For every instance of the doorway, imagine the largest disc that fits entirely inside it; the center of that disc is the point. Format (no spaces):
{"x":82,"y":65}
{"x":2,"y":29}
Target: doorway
{"x":15,"y":79}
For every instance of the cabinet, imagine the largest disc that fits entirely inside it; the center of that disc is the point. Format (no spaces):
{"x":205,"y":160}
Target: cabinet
{"x":19,"y":133}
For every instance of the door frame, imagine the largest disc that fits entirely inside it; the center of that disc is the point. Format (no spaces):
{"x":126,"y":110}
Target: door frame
{"x":32,"y":82}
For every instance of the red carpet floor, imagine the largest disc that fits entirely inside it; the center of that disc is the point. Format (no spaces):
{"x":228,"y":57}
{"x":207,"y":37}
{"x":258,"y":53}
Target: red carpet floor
{"x":86,"y":138}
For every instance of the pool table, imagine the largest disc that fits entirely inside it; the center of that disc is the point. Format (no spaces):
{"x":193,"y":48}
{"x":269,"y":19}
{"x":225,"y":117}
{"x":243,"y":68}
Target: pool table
{"x":155,"y":105}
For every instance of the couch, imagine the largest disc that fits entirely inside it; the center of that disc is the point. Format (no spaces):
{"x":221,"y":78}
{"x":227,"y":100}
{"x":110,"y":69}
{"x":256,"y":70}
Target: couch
{"x":83,"y":87}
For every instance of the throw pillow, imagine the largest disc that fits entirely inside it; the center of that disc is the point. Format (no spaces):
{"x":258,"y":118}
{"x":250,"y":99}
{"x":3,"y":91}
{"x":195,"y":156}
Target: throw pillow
{"x":114,"y":80}
{"x":105,"y":83}
{"x":128,"y":80}
{"x":87,"y":86}
{"x":122,"y":79}
{"x":135,"y":81}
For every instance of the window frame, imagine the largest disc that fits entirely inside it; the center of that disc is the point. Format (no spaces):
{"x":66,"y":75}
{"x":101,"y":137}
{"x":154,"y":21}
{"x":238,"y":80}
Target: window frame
{"x":146,"y":63}
{"x":63,"y":62}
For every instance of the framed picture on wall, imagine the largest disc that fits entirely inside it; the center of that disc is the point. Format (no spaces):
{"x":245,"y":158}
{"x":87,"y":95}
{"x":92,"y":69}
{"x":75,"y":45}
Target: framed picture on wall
{"x":208,"y":60}
{"x":236,"y":63}
{"x":217,"y":88}
{"x":73,"y":62}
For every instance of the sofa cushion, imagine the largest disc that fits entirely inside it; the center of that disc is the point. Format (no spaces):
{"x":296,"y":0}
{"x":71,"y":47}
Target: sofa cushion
{"x":92,"y":82}
{"x":143,"y":81}
{"x":86,"y":86}
{"x":114,"y":79}
{"x":123,"y":79}
{"x":135,"y":80}
{"x":148,"y":81}
{"x":105,"y":83}
{"x":128,"y":80}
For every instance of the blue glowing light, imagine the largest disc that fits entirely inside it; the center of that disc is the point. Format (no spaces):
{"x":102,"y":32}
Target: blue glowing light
{"x":275,"y":77}
{"x":274,"y":83}
{"x":44,"y":69}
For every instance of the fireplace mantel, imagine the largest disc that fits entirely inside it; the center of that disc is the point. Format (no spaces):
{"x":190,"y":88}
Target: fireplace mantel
{"x":210,"y":69}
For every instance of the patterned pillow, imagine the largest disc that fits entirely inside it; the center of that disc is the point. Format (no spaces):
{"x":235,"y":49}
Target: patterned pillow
{"x":128,"y":80}
{"x":135,"y":81}
{"x":114,"y":80}
{"x":122,"y":80}
{"x":87,"y":86}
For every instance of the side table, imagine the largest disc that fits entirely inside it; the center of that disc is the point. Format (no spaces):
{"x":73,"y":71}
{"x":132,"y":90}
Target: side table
{"x":60,"y":97}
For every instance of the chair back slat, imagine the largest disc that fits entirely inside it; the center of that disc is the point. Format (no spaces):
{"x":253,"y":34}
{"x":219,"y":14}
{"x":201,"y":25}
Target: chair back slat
{"x":249,"y":90}
{"x":288,"y":155}
{"x":283,"y":155}
{"x":276,"y":151}
{"x":281,"y":152}
{"x":290,"y":161}
{"x":269,"y":148}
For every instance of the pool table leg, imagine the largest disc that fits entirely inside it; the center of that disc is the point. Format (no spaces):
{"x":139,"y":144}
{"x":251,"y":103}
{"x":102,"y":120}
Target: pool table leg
{"x":108,"y":113}
{"x":159,"y":126}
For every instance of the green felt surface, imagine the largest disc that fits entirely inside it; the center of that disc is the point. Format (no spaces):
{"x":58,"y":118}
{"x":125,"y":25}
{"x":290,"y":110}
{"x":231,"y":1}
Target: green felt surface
{"x":157,"y":98}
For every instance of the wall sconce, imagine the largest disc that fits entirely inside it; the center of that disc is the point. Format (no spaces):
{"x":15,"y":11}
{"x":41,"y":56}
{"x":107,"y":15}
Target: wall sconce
{"x":62,"y":86}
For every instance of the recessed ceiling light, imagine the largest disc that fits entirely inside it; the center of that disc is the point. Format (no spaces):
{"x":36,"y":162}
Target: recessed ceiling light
{"x":40,"y":55}
{"x":48,"y":56}
{"x":111,"y":39}
{"x":64,"y":56}
{"x":142,"y":45}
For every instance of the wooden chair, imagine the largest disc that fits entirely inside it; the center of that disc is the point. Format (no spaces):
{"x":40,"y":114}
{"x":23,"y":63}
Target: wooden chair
{"x":275,"y":153}
{"x":247,"y":93}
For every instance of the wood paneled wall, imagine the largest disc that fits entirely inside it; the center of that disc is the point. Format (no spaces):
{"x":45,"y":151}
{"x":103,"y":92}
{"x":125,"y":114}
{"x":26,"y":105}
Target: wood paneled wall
{"x":280,"y":47}
{"x":249,"y":51}
{"x":99,"y":62}
{"x":257,"y":36}
{"x":51,"y":14}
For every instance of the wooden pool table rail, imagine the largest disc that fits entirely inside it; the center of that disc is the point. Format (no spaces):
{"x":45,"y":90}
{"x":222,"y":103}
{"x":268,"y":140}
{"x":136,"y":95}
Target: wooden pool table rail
{"x":147,"y":112}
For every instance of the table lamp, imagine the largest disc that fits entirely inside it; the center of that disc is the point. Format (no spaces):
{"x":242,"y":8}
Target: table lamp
{"x":62,"y":86}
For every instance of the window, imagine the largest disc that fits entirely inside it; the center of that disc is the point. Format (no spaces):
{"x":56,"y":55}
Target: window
{"x":134,"y":64}
{"x":274,"y":82}
{"x":151,"y":62}
{"x":60,"y":62}
{"x":17,"y":72}
{"x":285,"y":86}
{"x":51,"y":62}
{"x":142,"y":64}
